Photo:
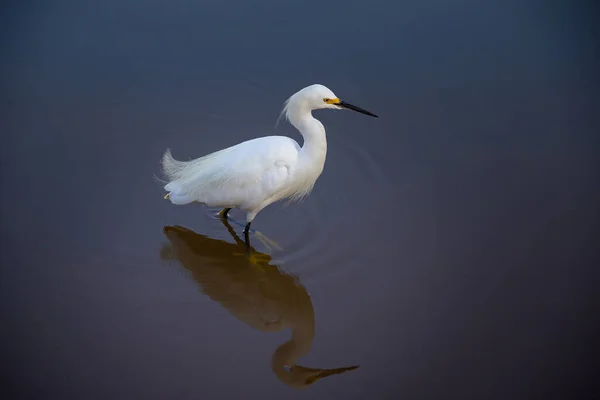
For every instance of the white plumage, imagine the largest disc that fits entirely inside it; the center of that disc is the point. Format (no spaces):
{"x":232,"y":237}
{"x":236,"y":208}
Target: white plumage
{"x":258,"y":172}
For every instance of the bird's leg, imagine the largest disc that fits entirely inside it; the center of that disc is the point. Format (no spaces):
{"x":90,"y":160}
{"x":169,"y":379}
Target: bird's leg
{"x":249,"y":218}
{"x":247,"y":238}
{"x":235,"y":237}
{"x":247,"y":233}
{"x":223,"y":213}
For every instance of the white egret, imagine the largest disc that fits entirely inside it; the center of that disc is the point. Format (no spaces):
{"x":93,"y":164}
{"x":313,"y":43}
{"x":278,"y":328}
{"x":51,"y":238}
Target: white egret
{"x":257,"y":293}
{"x":258,"y":172}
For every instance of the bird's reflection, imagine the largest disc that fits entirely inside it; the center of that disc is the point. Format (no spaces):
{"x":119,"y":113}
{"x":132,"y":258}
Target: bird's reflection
{"x":254,"y":291}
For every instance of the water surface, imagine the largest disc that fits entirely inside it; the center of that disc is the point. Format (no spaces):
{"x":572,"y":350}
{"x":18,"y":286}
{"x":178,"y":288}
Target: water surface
{"x":442,"y":252}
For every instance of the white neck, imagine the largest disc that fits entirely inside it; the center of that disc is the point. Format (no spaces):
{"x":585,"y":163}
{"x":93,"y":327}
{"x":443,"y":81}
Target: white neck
{"x":314,"y":149}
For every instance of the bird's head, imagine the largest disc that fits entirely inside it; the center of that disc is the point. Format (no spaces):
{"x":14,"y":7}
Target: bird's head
{"x":315,"y":97}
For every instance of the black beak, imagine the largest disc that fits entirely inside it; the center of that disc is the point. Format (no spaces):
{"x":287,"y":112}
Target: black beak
{"x":343,"y":104}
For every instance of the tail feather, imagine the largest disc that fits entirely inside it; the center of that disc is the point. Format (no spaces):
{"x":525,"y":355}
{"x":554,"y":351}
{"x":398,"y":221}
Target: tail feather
{"x":180,"y":198}
{"x":172,"y":168}
{"x":187,"y":180}
{"x":177,"y":195}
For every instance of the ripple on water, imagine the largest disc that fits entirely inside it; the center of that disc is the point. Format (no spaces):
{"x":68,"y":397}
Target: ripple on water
{"x":322,"y":242}
{"x":322,"y":246}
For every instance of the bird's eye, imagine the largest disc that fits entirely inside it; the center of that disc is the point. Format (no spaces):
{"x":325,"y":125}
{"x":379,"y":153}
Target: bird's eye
{"x":326,"y":100}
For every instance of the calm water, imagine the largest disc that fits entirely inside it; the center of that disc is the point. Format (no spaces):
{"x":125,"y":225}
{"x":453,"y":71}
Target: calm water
{"x":443,"y":251}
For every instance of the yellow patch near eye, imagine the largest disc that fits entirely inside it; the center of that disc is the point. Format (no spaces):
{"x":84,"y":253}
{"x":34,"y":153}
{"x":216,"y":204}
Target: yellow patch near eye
{"x":332,"y":101}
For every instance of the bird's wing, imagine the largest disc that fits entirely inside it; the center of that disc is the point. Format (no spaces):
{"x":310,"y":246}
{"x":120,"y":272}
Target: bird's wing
{"x":242,"y":174}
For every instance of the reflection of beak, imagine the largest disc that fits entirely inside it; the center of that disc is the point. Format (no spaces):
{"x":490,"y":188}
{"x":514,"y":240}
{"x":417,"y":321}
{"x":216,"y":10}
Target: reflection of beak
{"x":314,"y":374}
{"x":343,"y":104}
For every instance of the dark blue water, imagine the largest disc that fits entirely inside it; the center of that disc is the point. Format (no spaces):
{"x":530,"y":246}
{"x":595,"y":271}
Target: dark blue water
{"x":445,"y":251}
